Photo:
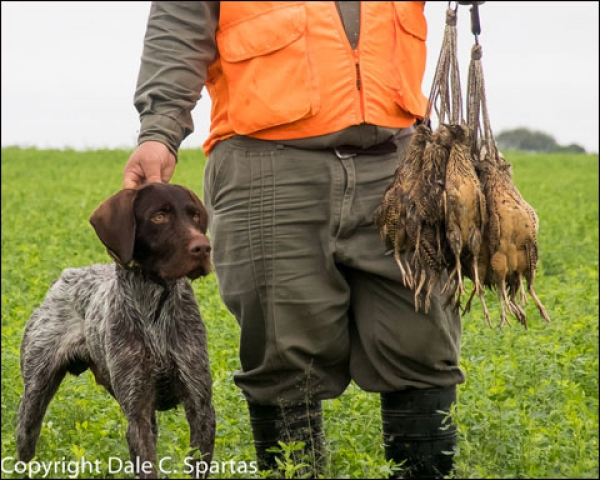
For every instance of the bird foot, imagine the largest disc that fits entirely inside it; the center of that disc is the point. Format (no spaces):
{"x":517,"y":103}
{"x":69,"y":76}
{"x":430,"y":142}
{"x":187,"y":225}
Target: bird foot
{"x":541,"y":308}
{"x":519,"y":313}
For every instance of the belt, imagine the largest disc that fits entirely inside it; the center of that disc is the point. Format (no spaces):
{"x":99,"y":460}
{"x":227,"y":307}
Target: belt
{"x":347,"y":151}
{"x":389,"y":146}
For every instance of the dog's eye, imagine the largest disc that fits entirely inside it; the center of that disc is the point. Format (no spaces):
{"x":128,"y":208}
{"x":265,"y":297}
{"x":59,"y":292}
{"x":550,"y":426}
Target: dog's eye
{"x":196,"y":217}
{"x":160,"y":217}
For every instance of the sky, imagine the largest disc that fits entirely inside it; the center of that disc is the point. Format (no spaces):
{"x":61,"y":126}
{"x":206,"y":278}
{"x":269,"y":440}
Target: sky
{"x":69,"y":70}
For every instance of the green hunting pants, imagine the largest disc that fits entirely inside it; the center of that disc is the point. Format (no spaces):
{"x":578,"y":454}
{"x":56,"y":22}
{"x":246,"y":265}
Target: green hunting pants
{"x":302,"y":267}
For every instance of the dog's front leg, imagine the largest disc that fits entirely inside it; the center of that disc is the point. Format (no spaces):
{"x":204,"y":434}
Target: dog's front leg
{"x":142,"y":445}
{"x":154,"y":425}
{"x":197,"y":401}
{"x":201,"y":418}
{"x":136,"y":395}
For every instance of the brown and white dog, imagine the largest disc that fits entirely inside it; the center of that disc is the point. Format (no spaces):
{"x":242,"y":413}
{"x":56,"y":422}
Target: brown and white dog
{"x":135,"y":324}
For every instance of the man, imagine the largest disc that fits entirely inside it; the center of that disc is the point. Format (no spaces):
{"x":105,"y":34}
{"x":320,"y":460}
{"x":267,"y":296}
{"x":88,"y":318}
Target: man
{"x":313,"y":106}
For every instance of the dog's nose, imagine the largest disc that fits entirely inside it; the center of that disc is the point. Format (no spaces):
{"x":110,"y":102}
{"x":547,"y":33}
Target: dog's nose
{"x":199,"y":247}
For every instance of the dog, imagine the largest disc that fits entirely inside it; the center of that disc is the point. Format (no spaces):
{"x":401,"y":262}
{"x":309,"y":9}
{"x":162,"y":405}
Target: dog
{"x":134,"y":323}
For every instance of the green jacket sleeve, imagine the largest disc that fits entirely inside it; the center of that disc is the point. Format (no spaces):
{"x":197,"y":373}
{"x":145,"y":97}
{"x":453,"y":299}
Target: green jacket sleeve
{"x":178,"y":47}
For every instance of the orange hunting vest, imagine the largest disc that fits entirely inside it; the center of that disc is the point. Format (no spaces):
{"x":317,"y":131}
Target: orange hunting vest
{"x":286,"y":70}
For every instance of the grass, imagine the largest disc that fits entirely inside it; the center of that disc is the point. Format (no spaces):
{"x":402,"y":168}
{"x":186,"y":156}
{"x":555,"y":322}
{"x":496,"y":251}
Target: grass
{"x":529,"y":408}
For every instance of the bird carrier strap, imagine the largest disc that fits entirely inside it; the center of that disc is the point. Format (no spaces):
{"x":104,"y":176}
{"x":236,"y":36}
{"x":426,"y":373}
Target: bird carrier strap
{"x":446,"y":81}
{"x":478,"y":119}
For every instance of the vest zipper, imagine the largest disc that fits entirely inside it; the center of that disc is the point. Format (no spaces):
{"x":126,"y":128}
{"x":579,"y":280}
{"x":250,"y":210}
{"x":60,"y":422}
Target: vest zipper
{"x":359,"y":84}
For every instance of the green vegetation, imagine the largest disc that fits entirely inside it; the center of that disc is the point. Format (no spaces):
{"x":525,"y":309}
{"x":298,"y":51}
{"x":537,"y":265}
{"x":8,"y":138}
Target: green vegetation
{"x":529,"y":407}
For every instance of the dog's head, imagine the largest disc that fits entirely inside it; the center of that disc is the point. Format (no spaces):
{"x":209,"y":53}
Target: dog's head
{"x":159,"y":227}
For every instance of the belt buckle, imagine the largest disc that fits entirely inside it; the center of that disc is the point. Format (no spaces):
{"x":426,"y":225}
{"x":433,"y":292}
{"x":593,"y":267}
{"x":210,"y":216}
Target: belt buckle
{"x":343,"y":156}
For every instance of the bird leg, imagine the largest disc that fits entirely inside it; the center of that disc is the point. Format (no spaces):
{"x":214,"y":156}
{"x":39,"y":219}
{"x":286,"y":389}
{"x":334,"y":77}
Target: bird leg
{"x":410,"y":274}
{"x":478,"y":286}
{"x":522,"y":290}
{"x":438,"y":237}
{"x":543,"y":312}
{"x":461,"y":287}
{"x":422,"y":278}
{"x":455,"y":273}
{"x":486,"y":313}
{"x":410,"y":269}
{"x":503,"y":300}
{"x":418,"y":239}
{"x":452,"y":296}
{"x":469,"y":301}
{"x":405,"y":279}
{"x":405,"y":273}
{"x":510,"y":306}
{"x":433,"y":278}
{"x":514,"y":288}
{"x":519,"y":313}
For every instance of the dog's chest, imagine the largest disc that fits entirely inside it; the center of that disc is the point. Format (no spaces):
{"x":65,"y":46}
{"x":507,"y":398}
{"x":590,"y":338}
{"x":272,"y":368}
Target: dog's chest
{"x":131,"y":322}
{"x":165,"y":361}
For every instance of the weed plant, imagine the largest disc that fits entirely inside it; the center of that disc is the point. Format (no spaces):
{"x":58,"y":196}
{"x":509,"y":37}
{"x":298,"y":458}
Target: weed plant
{"x":529,"y":407}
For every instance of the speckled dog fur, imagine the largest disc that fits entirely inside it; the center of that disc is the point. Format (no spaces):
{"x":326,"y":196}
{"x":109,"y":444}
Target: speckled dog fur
{"x":104,"y":317}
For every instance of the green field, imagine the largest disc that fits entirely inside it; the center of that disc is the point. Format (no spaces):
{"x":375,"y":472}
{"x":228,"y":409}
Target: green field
{"x":529,"y":408}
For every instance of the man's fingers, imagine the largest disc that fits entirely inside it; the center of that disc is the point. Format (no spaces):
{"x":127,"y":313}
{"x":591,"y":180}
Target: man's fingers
{"x":168,"y":171}
{"x":151,"y":162}
{"x":154,"y":179}
{"x":131,"y":179}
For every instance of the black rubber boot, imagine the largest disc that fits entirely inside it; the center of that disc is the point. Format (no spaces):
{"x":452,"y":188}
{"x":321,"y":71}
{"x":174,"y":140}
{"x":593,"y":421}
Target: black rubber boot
{"x":416,"y":434}
{"x":298,"y":423}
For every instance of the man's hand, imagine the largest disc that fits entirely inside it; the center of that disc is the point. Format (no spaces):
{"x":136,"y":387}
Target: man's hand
{"x":150,"y":162}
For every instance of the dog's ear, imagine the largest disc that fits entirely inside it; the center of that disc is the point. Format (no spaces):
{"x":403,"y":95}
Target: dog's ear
{"x":114,"y":223}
